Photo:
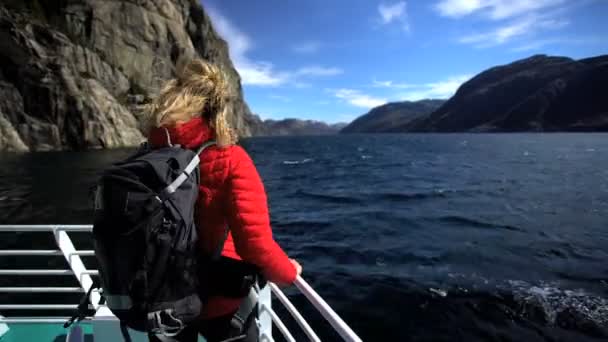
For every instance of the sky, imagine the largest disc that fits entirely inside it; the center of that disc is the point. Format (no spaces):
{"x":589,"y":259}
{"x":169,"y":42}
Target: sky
{"x":333,"y":60}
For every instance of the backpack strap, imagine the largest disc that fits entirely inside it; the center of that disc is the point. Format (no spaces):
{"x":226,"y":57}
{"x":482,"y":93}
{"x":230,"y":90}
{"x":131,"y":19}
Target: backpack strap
{"x":124,"y":331}
{"x":204,"y":146}
{"x":245,"y":315}
{"x":83,"y":308}
{"x":171,"y":188}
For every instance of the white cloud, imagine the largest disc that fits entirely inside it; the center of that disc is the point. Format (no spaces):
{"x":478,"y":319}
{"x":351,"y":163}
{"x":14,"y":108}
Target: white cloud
{"x":457,"y":8}
{"x":280,"y":98}
{"x":260,"y":73}
{"x":437,"y":90}
{"x":252,"y":72}
{"x":393,"y":13}
{"x":492,"y":9}
{"x":318,"y":71}
{"x":391,"y":84}
{"x":541,"y":43}
{"x":502,"y":34}
{"x":383,"y":84}
{"x":308,"y":47}
{"x":517,"y":18}
{"x":356,"y":98}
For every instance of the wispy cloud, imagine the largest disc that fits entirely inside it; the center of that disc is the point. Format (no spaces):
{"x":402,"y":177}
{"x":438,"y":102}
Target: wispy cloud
{"x":492,"y":9}
{"x":396,"y":12}
{"x":436,"y":90}
{"x":308,"y":47}
{"x":261,"y":73}
{"x":392,"y":12}
{"x":515,"y":19}
{"x":318,"y":71}
{"x":514,"y":29}
{"x":357,"y":98}
{"x":391,"y":84}
{"x":252,"y":72}
{"x":281,"y":98}
{"x":541,"y":43}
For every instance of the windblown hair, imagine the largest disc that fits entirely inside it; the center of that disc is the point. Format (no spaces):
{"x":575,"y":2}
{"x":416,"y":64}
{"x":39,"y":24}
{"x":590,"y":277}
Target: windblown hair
{"x":199,"y":89}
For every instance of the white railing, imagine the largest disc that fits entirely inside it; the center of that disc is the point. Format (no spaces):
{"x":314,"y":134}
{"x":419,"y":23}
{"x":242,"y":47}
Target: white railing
{"x":40,"y":289}
{"x":267,"y":316}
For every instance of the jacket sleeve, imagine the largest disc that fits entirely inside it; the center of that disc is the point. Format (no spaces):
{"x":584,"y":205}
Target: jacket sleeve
{"x":249,"y":220}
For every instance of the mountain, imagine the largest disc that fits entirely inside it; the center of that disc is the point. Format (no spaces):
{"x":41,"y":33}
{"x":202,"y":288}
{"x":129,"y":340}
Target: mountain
{"x":392,"y":117}
{"x":540,"y":93}
{"x":298,"y":127}
{"x":73,"y":73}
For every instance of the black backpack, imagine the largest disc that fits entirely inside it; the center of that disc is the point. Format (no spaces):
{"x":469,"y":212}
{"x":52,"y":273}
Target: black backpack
{"x":146,"y":239}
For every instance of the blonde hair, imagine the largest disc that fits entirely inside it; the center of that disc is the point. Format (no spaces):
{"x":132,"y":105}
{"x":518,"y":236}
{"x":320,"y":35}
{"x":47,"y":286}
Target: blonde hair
{"x":199,"y":89}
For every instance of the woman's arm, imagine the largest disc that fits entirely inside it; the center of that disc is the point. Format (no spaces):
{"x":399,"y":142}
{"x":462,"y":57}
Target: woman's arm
{"x":249,"y":221}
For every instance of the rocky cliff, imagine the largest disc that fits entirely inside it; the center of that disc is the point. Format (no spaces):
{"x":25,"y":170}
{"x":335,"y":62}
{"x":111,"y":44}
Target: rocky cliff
{"x":540,"y":93}
{"x":73,"y":73}
{"x":392,"y":117}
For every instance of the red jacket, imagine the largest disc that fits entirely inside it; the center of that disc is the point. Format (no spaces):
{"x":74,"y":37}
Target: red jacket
{"x":230,"y":193}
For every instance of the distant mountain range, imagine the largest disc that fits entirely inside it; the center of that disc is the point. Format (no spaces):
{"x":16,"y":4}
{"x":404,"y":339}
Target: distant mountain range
{"x":295,"y":127}
{"x":540,"y":93}
{"x":392,"y":117}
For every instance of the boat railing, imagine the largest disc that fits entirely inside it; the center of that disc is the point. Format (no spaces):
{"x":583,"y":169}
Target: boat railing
{"x":103,"y":320}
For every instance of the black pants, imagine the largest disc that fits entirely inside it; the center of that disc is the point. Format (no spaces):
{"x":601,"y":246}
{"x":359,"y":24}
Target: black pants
{"x":214,"y":330}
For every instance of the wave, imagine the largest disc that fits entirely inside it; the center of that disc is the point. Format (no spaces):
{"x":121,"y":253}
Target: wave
{"x":297,"y":162}
{"x":561,"y":306}
{"x":516,"y":311}
{"x":414,"y":311}
{"x":401,"y":196}
{"x":11,"y":199}
{"x":308,"y":224}
{"x":469,"y":222}
{"x":329,"y":198}
{"x":372,"y":197}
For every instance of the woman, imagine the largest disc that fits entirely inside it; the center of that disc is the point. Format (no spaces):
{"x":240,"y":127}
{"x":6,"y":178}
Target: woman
{"x":191,"y":110}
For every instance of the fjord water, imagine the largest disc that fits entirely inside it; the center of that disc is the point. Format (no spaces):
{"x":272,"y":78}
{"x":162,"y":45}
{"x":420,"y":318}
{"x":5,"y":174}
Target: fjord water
{"x":453,"y":237}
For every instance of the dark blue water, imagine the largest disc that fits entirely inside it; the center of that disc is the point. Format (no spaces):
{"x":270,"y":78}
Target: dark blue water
{"x":410,"y":237}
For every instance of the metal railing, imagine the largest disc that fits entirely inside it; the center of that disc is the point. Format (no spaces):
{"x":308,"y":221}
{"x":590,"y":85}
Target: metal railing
{"x":267,"y":316}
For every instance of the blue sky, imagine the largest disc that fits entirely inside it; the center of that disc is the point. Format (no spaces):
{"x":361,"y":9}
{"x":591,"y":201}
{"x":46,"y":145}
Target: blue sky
{"x":333,"y":60}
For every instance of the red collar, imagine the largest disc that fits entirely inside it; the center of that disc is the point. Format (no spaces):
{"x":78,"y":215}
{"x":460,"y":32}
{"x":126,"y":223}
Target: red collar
{"x":191,"y":134}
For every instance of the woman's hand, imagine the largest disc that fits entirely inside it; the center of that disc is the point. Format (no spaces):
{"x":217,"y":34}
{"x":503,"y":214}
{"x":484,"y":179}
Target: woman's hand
{"x":297,"y":266}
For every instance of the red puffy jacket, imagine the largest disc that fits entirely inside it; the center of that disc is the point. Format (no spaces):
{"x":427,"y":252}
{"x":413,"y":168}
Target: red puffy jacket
{"x":230,"y":193}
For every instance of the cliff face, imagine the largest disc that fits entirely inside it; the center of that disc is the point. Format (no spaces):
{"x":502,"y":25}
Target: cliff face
{"x":540,"y":93}
{"x":392,"y":117}
{"x":72,"y":73}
